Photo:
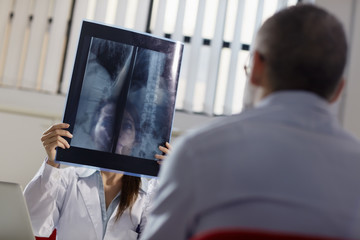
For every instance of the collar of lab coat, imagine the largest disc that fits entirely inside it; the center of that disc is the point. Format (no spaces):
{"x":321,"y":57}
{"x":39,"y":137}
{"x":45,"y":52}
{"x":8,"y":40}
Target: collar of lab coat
{"x":88,"y":187}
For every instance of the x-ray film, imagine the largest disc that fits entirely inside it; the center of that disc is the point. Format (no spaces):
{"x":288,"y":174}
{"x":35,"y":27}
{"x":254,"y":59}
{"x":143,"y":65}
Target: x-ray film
{"x":121,"y":100}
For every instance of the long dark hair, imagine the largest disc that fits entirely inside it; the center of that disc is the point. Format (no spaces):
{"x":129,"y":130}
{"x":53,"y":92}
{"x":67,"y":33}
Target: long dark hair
{"x":129,"y":193}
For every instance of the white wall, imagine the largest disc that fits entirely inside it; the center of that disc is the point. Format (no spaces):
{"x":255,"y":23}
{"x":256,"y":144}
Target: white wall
{"x":348,"y":11}
{"x":351,"y":107}
{"x":21,"y":149}
{"x":24,"y":116}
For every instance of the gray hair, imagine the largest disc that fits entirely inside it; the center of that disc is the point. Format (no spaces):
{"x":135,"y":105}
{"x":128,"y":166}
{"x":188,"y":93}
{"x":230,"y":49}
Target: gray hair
{"x":304,"y":48}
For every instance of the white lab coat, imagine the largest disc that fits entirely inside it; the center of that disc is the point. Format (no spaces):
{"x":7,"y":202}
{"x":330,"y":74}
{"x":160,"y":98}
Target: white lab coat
{"x":68,"y":200}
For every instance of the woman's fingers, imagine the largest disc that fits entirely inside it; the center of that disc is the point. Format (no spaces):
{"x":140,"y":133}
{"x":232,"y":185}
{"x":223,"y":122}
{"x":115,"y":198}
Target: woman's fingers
{"x":56,"y":140}
{"x":56,"y":126}
{"x":50,"y":149}
{"x":160,"y":157}
{"x":54,"y":133}
{"x":51,"y":146}
{"x":168,"y":146}
{"x":54,"y":137}
{"x":166,"y":150}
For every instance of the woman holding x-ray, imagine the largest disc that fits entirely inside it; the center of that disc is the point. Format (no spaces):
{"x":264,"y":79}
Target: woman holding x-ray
{"x":83,"y":203}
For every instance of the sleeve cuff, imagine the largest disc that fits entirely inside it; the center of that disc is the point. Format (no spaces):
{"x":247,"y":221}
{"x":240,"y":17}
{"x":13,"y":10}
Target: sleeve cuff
{"x":49,"y":174}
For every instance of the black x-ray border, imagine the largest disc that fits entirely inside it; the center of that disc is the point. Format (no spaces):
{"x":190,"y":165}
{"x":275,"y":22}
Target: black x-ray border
{"x":108,"y":161}
{"x":98,"y":159}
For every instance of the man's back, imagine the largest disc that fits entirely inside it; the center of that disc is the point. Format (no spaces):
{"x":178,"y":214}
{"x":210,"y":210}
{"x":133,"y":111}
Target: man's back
{"x":285,"y":166}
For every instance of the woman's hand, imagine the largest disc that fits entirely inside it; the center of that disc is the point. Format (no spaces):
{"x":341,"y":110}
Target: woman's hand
{"x":166,"y":150}
{"x":53,"y":138}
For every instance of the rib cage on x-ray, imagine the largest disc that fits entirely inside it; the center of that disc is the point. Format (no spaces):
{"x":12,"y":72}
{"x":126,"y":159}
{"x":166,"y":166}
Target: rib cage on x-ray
{"x":100,"y":82}
{"x":149,"y":93}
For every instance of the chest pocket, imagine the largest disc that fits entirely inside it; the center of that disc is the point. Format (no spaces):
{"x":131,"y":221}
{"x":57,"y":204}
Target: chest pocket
{"x":131,"y":235}
{"x":125,"y":227}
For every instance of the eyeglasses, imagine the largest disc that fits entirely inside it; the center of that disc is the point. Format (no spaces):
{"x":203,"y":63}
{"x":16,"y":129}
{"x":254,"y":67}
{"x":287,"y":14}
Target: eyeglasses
{"x":247,"y":64}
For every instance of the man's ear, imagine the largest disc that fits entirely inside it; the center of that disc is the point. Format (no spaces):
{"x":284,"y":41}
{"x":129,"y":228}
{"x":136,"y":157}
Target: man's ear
{"x":258,"y":70}
{"x":338,"y":91}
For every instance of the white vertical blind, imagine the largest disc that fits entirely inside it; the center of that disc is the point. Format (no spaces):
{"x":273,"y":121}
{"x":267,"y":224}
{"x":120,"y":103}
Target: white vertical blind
{"x":25,"y":45}
{"x":141,"y":15}
{"x":258,"y":19}
{"x":80,"y":11}
{"x":281,"y":4}
{"x":5,"y":10}
{"x":121,"y":10}
{"x":160,"y":16}
{"x":178,"y":31}
{"x":33,"y":42}
{"x":27,"y":75}
{"x":18,"y":40}
{"x":235,"y":49}
{"x":215,"y":52}
{"x":196,"y":43}
{"x":45,"y":45}
{"x":56,"y":31}
{"x":33,"y":49}
{"x":130,"y":14}
{"x":101,"y":10}
{"x":6,"y":20}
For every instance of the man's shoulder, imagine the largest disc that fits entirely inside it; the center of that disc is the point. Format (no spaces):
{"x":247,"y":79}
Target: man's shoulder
{"x":231,"y":123}
{"x":224,"y":130}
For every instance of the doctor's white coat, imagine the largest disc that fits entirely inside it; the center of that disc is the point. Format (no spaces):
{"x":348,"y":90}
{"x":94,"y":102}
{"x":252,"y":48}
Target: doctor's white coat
{"x":68,"y":200}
